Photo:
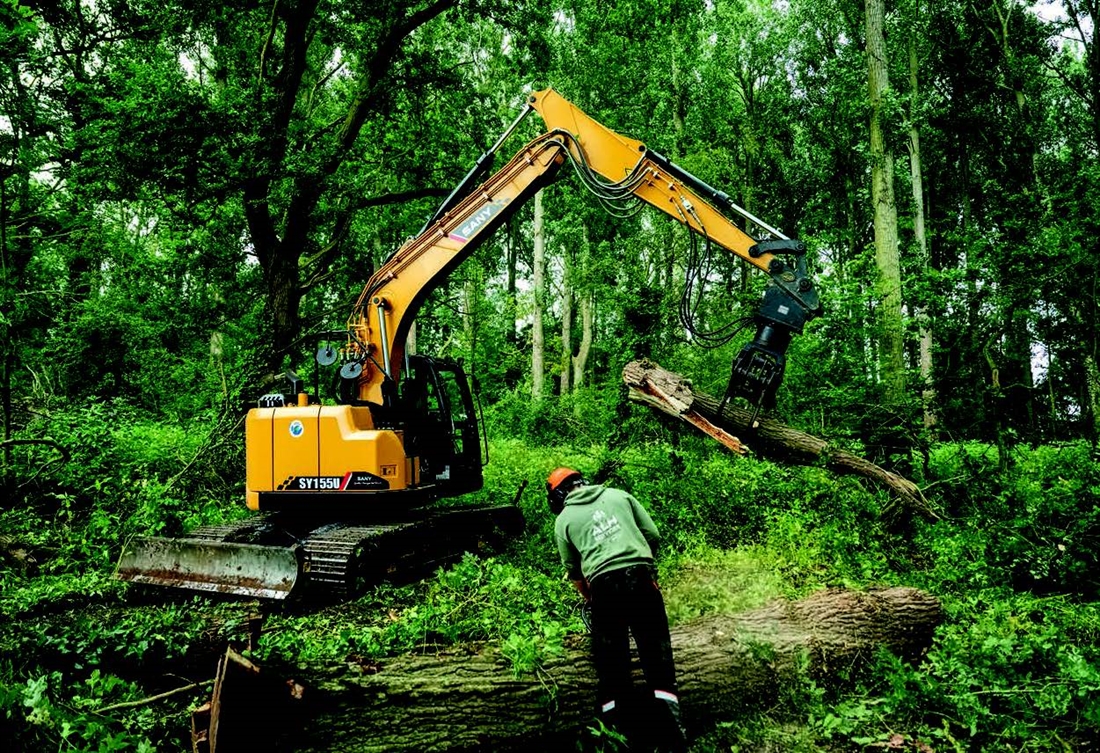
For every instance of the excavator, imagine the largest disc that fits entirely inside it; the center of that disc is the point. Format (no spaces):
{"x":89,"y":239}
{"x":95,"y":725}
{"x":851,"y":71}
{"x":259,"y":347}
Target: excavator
{"x":345,"y":494}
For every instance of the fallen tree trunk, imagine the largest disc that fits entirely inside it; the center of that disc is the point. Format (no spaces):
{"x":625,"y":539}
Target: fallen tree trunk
{"x":672,"y":394}
{"x":470,"y":699}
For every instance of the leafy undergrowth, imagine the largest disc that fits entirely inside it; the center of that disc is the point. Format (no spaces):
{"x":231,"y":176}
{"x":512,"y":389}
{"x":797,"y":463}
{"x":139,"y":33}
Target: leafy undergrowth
{"x":1015,"y":666}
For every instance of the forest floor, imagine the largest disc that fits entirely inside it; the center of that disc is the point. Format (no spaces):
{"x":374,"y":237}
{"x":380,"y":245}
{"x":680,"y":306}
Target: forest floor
{"x":90,"y":663}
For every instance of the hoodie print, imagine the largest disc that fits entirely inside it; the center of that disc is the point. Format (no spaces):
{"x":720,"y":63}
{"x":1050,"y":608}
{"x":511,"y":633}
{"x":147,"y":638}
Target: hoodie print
{"x":604,"y":526}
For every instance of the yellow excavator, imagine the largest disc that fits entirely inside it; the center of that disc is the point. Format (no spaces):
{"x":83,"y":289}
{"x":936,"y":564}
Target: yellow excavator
{"x":342,"y":493}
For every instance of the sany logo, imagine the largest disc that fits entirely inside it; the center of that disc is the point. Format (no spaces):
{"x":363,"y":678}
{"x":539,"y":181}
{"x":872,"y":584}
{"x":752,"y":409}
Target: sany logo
{"x":470,"y":227}
{"x":296,"y":428}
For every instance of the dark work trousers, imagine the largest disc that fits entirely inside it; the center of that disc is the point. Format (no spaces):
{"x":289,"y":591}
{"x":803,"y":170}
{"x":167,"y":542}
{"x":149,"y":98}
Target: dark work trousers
{"x":627,"y":602}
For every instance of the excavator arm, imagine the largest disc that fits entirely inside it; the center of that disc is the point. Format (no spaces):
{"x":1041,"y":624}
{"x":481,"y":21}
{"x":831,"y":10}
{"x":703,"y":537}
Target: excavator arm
{"x":387,"y":307}
{"x":614,"y":167}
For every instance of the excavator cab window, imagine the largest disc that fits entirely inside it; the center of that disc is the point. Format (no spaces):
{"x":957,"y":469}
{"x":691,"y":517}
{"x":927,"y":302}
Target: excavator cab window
{"x":442,"y":427}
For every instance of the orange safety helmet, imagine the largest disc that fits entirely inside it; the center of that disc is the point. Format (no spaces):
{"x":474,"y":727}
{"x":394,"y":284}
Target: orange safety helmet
{"x":558,"y":484}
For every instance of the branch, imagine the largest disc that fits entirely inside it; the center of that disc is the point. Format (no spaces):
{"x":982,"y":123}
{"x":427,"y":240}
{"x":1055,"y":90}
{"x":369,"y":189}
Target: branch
{"x":320,"y":263}
{"x":153,"y":698}
{"x":47,"y":442}
{"x":401,"y":197}
{"x":381,"y":62}
{"x":673,"y":394}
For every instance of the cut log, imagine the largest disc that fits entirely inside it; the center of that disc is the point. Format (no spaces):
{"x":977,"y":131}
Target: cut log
{"x":470,"y":699}
{"x":17,"y":553}
{"x":672,"y":394}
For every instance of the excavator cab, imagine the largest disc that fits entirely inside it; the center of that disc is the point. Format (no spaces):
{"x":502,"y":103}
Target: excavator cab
{"x":442,"y":428}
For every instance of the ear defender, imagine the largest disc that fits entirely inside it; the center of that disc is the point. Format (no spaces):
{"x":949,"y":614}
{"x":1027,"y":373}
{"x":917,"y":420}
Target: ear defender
{"x":558,"y":484}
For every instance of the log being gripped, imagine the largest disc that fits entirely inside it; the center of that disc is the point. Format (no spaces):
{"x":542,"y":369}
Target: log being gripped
{"x":672,"y":394}
{"x":470,"y":699}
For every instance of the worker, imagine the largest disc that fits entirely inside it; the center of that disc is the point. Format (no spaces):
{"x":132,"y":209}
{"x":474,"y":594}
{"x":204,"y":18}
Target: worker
{"x":607,"y":543}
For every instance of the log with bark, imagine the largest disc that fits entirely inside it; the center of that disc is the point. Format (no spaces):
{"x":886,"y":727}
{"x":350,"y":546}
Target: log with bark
{"x":737,"y":429}
{"x":467,"y":699}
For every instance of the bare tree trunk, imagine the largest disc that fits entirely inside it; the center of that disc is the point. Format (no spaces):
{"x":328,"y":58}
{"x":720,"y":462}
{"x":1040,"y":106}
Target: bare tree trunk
{"x":580,"y":361}
{"x":670,"y":393}
{"x":511,"y":306}
{"x":217,"y":356}
{"x":7,"y":360}
{"x":891,"y":344}
{"x":1092,"y":389}
{"x":471,"y":292}
{"x":538,"y":340}
{"x":916,"y":176}
{"x":566,"y":323}
{"x":470,"y":699}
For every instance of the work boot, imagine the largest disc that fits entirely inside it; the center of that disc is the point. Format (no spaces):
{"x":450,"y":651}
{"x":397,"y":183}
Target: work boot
{"x":672,"y":737}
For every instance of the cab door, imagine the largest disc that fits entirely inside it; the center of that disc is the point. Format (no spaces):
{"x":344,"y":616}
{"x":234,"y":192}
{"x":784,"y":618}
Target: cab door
{"x":443,"y":426}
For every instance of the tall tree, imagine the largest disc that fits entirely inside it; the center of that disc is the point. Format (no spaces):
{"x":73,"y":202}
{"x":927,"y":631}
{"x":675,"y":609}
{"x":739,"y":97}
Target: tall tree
{"x":566,"y":371}
{"x":914,"y":42}
{"x":538,"y":337}
{"x":887,"y":259}
{"x":1078,"y":68}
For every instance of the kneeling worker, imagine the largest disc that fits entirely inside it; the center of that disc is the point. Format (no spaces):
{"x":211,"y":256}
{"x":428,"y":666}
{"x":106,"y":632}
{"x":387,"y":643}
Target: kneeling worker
{"x":607,"y":543}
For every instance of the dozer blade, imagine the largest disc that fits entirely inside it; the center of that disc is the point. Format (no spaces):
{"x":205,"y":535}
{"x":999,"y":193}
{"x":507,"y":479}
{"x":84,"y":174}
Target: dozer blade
{"x":263,"y":572}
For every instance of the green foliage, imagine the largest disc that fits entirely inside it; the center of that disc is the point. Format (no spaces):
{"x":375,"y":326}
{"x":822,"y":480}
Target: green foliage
{"x":1011,"y":665}
{"x":125,"y":476}
{"x":701,"y":581}
{"x":1005,"y":670}
{"x":526,"y":612}
{"x":63,"y":670}
{"x":44,"y":593}
{"x":70,"y":722}
{"x":1037,"y":528}
{"x":1016,"y":662}
{"x":586,"y":416}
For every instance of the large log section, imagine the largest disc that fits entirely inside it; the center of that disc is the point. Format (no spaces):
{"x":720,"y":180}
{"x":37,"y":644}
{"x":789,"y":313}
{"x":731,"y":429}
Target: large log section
{"x":466,"y":700}
{"x":671,"y":393}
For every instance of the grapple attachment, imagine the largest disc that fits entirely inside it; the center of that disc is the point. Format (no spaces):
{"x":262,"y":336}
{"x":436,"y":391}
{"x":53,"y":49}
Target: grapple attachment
{"x":259,"y":571}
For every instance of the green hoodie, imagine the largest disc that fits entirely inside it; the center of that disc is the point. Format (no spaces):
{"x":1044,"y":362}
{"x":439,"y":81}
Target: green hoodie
{"x":602,"y":529}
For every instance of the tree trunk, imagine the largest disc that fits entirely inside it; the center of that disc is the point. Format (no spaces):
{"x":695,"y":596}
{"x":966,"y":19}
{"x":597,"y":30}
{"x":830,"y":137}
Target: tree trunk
{"x":580,"y":361}
{"x":511,"y":305}
{"x":566,"y":324}
{"x":472,"y":293}
{"x":891,"y":344}
{"x":7,"y":359}
{"x":1092,"y":390}
{"x":672,"y":394}
{"x":469,"y":698}
{"x":538,"y":340}
{"x":916,"y":178}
